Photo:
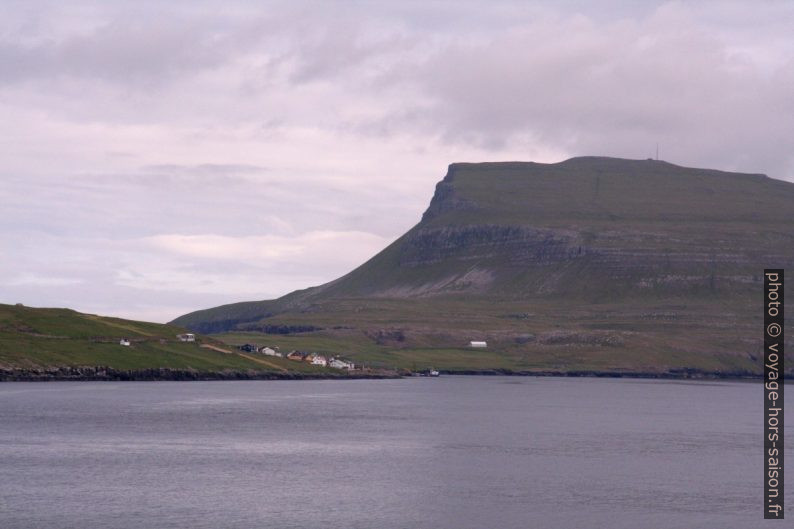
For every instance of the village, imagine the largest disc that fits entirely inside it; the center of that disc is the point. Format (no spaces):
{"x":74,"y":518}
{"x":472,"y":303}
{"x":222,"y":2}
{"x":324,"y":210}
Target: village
{"x":314,"y":359}
{"x":310,"y":358}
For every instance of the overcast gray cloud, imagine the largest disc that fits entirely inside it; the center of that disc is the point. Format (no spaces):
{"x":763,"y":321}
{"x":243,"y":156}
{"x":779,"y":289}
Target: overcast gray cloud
{"x":163,"y":157}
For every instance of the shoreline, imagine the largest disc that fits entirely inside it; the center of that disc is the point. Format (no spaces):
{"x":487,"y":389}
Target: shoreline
{"x":98,"y":374}
{"x":678,"y":374}
{"x":84,"y":374}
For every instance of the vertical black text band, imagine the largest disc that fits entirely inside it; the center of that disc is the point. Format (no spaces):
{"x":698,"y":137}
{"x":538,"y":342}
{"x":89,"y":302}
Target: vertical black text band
{"x":773,"y":394}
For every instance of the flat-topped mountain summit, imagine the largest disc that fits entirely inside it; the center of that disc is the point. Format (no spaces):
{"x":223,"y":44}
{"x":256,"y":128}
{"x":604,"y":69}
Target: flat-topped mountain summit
{"x":589,"y":235}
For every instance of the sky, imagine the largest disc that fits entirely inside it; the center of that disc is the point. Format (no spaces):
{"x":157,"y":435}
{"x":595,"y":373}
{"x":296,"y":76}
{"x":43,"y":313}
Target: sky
{"x":162,"y":157}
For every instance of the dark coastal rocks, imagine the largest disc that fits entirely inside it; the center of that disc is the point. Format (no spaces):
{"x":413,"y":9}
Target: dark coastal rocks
{"x":109,"y":374}
{"x":99,"y":373}
{"x":675,"y":374}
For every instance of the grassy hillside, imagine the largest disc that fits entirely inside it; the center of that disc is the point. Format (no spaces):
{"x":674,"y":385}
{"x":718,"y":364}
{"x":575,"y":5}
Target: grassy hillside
{"x":624,"y":337}
{"x":37,"y":338}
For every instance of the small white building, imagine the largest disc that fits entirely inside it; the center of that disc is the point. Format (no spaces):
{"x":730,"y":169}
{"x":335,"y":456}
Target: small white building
{"x":319,"y":360}
{"x":270,"y":351}
{"x":338,"y":363}
{"x":189,"y":337}
{"x":479,"y":345}
{"x":125,"y":342}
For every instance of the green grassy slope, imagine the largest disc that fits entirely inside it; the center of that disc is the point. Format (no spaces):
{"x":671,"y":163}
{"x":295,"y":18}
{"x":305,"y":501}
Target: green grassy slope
{"x":622,"y":337}
{"x":35,"y":338}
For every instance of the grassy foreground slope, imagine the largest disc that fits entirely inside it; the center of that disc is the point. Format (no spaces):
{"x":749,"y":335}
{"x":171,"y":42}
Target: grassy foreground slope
{"x":588,"y":264}
{"x":42,"y":338}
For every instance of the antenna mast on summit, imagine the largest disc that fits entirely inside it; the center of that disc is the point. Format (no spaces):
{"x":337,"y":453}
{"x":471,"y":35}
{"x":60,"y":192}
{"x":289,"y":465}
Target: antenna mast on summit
{"x":657,"y":151}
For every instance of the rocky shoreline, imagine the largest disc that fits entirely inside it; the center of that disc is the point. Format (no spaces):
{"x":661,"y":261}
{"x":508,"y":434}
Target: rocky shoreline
{"x":87,"y":373}
{"x":110,"y":374}
{"x":673,"y":374}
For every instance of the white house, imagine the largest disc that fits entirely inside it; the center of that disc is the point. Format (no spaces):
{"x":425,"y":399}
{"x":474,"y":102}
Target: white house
{"x":319,"y":360}
{"x":481,"y":345}
{"x":189,"y":337}
{"x":124,"y":342}
{"x":269,"y":351}
{"x":338,"y":363}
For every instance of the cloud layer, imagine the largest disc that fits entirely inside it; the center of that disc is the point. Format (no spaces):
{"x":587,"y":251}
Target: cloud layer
{"x":157,"y":160}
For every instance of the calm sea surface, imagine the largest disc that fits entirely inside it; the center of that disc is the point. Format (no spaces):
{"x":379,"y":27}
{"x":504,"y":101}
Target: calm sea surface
{"x":450,"y":453}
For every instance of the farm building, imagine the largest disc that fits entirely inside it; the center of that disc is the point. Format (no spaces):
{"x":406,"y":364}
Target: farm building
{"x":338,"y":363}
{"x":316,"y":360}
{"x":294,"y":355}
{"x":269,"y":351}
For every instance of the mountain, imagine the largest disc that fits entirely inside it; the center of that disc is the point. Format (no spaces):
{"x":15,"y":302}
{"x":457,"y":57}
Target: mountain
{"x":592,"y":262}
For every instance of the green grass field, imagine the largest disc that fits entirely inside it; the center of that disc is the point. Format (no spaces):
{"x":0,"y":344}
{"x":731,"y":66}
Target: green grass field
{"x":34,"y":338}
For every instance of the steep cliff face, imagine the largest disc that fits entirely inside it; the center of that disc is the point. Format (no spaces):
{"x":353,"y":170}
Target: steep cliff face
{"x":588,"y":229}
{"x":446,"y":198}
{"x":520,"y":245}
